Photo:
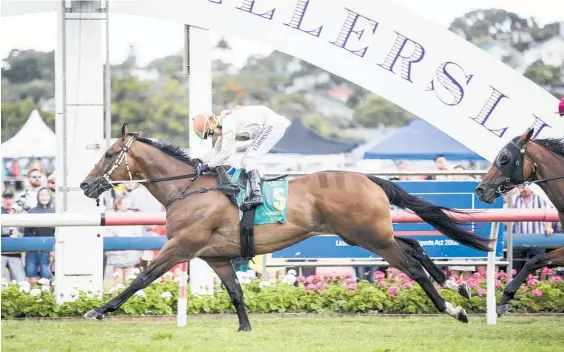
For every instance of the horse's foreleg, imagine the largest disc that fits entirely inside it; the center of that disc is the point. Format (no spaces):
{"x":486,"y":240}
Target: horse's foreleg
{"x":169,"y":256}
{"x":554,"y":258}
{"x":414,"y":249}
{"x":226,"y":273}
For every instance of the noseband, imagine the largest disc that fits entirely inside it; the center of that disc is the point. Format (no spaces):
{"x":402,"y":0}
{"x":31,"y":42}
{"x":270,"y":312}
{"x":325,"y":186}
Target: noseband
{"x":511,"y":163}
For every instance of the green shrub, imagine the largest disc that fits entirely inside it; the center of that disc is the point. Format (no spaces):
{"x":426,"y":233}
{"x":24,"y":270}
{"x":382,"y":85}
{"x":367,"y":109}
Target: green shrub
{"x":313,"y":295}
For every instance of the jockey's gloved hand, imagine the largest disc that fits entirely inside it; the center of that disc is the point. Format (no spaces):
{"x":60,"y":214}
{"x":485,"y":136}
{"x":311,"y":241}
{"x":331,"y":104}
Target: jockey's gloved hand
{"x":204,"y":168}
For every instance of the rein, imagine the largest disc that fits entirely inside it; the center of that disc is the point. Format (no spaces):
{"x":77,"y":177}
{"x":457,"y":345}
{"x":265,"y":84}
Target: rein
{"x":107,"y":176}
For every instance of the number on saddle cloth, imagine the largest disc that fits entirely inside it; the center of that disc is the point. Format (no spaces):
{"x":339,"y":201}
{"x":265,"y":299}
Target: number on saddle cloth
{"x":274,"y":193}
{"x":273,"y":211}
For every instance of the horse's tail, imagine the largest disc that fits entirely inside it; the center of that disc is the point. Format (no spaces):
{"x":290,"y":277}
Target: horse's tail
{"x":432,"y":214}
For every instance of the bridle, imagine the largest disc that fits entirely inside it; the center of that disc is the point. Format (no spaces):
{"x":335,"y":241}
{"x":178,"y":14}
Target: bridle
{"x":513,"y":169}
{"x":107,"y":183}
{"x":107,"y":176}
{"x":513,"y":172}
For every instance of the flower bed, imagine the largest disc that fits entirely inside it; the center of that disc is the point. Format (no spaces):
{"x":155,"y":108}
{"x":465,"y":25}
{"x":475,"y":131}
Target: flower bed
{"x":313,"y":295}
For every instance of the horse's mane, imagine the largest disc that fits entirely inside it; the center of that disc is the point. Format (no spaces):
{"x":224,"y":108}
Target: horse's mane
{"x":555,"y":145}
{"x":171,"y":149}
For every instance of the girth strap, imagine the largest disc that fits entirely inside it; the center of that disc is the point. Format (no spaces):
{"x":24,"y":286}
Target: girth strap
{"x":247,"y":234}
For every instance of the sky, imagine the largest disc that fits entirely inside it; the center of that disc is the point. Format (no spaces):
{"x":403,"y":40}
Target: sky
{"x":154,"y":38}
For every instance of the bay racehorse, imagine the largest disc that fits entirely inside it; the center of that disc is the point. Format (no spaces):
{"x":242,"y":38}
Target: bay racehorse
{"x":523,"y":161}
{"x":202,"y":222}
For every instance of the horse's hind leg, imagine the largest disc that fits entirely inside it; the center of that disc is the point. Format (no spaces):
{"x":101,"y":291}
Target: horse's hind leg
{"x":414,"y":249}
{"x":390,"y":251}
{"x":170,"y":255}
{"x":226,"y":272}
{"x":554,"y":258}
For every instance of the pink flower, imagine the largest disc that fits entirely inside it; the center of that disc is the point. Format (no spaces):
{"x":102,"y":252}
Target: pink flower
{"x":556,"y":278}
{"x":501,"y":275}
{"x":352,"y":287}
{"x":348,"y":276}
{"x":392,"y":291}
{"x":482,"y":292}
{"x":382,"y":283}
{"x":454,"y":277}
{"x":407,"y":284}
{"x":350,"y":280}
{"x":459,"y":281}
{"x":498,"y":283}
{"x":312,"y":279}
{"x":532,"y":282}
{"x":300,"y":279}
{"x":403,"y":277}
{"x":547,"y":271}
{"x":537,"y":293}
{"x":320,"y":285}
{"x":513,"y":272}
{"x":310,"y":287}
{"x":531,"y":276}
{"x":477,"y":275}
{"x":473,"y":283}
{"x":378,"y":275}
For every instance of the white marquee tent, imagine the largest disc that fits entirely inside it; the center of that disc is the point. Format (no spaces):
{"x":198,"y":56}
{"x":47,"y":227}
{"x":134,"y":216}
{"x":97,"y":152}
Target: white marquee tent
{"x":34,"y":139}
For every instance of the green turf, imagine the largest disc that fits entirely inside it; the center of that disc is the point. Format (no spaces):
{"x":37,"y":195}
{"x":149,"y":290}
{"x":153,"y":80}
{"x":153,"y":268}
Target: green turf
{"x":274,"y":333}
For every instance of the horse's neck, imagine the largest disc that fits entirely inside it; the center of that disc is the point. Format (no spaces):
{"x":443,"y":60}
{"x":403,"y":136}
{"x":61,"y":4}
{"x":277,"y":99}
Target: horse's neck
{"x":162,"y":165}
{"x":550,"y":166}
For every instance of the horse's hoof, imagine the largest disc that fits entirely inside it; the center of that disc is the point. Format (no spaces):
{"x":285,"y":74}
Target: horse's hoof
{"x":94,"y":315}
{"x":464,"y":290}
{"x":244,"y":328}
{"x":502,"y":309}
{"x":462,"y":316}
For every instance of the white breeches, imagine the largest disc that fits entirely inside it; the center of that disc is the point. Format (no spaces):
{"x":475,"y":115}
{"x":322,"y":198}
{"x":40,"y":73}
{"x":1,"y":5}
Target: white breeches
{"x":267,"y":138}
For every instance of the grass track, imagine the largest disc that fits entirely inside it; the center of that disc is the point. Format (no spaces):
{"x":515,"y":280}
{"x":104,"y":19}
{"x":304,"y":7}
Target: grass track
{"x":359,"y":333}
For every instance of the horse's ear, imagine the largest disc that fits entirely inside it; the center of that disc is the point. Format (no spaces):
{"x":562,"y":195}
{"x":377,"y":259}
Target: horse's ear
{"x":525,"y":137}
{"x":124,"y":130}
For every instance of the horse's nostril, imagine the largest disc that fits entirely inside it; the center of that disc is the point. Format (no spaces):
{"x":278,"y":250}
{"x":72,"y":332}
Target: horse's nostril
{"x":84,"y":186}
{"x":479,"y":191}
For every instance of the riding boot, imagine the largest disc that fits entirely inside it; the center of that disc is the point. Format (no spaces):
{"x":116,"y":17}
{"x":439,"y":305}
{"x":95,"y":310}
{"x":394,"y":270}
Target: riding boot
{"x":256,"y":192}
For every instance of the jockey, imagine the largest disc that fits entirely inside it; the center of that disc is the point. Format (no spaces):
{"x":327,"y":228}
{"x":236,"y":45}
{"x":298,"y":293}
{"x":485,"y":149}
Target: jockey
{"x":561,"y":108}
{"x":258,"y":125}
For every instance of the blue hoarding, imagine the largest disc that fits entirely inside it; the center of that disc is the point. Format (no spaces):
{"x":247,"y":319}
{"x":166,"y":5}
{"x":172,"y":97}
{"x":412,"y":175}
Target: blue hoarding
{"x":454,"y":194}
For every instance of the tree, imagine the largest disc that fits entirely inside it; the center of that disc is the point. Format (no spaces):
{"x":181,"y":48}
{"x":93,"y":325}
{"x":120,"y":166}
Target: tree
{"x":37,"y":90}
{"x":22,"y":66}
{"x":223,"y":44}
{"x":293,"y":105}
{"x":159,"y":111}
{"x":543,"y":74}
{"x":374,"y":111}
{"x":357,"y":95}
{"x":15,"y":114}
{"x":489,"y":23}
{"x":317,"y":123}
{"x":170,"y":65}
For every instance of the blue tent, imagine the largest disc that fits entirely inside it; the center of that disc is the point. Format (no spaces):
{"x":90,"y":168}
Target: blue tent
{"x":420,"y":140}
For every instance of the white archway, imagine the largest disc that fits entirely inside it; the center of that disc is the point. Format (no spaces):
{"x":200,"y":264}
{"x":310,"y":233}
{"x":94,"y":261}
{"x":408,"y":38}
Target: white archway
{"x":408,"y":60}
{"x":383,"y":47}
